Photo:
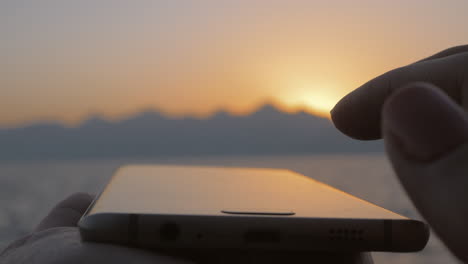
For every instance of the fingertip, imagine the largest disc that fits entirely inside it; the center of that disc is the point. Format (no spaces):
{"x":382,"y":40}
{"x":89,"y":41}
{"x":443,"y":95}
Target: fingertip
{"x":356,"y":119}
{"x":67,"y":212}
{"x":78,"y":201}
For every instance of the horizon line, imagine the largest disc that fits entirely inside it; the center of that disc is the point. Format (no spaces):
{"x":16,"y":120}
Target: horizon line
{"x":280,"y":107}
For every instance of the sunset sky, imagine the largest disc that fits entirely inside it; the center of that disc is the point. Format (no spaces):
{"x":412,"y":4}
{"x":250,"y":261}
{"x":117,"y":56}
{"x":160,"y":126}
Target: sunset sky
{"x":66,"y":60}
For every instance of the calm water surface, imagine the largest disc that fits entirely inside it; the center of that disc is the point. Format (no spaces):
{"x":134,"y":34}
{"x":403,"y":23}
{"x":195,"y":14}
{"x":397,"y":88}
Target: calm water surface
{"x":29,"y":189}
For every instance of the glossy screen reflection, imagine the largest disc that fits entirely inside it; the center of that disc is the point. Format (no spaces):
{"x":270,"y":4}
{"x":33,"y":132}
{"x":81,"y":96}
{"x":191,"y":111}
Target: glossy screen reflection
{"x":192,"y":190}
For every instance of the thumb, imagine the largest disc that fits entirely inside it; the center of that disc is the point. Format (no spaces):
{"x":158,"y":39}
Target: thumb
{"x":67,"y":212}
{"x":425,"y":136}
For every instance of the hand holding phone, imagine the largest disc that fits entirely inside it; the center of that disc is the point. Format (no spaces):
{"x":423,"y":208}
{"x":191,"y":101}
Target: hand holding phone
{"x":203,"y":208}
{"x":57,"y":240}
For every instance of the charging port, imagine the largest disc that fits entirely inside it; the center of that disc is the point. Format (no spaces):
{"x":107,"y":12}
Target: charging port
{"x":262,"y":236}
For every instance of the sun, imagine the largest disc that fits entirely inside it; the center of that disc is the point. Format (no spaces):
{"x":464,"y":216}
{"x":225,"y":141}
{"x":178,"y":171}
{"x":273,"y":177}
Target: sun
{"x":304,"y":86}
{"x":317,"y":102}
{"x":319,"y":99}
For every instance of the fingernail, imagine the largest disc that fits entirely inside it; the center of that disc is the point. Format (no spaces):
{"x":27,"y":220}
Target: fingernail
{"x":425,"y":121}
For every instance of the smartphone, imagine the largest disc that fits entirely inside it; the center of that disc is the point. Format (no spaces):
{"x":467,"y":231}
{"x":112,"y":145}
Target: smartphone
{"x":192,"y":207}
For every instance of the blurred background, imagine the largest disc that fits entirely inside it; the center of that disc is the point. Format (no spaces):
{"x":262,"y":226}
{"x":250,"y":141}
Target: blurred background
{"x":87,"y":86}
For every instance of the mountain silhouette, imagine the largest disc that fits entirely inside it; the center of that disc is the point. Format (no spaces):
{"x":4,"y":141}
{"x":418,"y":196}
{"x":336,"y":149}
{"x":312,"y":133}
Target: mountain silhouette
{"x":265,"y":131}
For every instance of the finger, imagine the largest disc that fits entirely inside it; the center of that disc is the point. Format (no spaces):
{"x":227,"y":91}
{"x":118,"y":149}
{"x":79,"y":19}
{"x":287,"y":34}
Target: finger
{"x":425,"y":135}
{"x":448,"y":52}
{"x":359,"y":113}
{"x":67,"y":212}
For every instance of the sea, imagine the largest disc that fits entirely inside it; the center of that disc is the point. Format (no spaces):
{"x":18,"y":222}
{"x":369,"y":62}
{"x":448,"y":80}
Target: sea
{"x":28,"y":189}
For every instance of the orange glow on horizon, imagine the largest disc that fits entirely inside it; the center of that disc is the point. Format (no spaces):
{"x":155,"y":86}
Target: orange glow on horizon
{"x":310,"y":108}
{"x":235,"y":111}
{"x":305,"y":104}
{"x":198,"y":58}
{"x":315,"y":102}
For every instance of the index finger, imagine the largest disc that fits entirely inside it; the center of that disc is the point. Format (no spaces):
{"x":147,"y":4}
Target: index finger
{"x":448,"y":52}
{"x":358,"y":114}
